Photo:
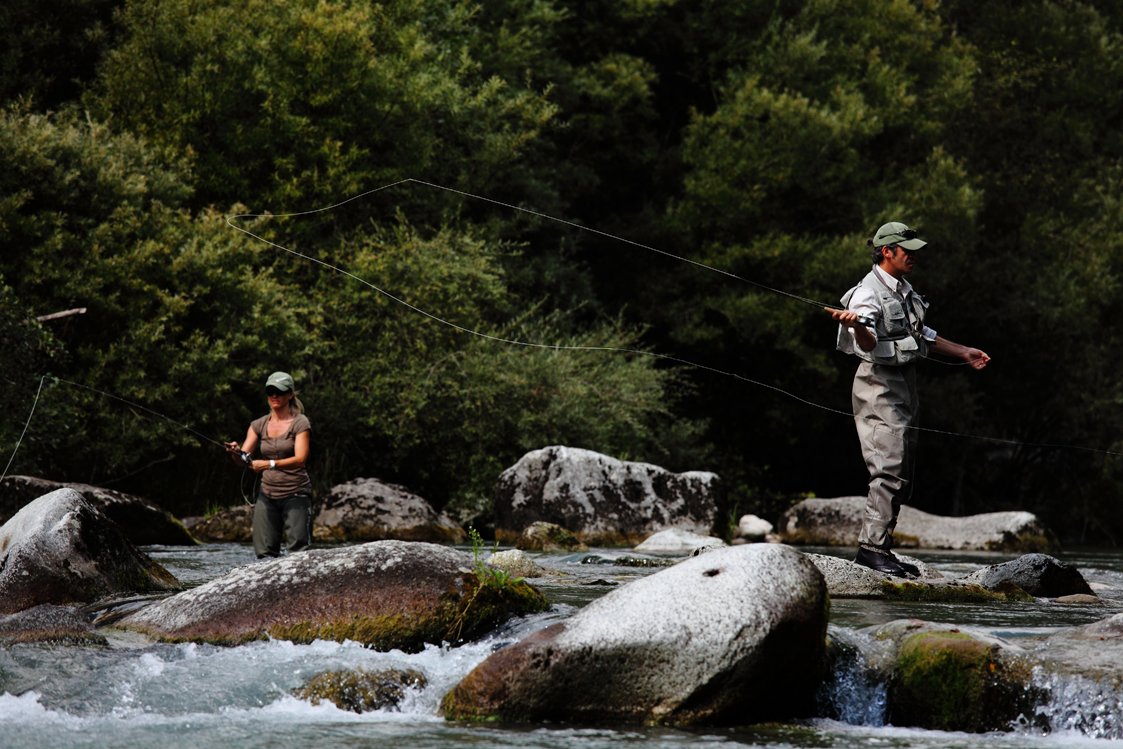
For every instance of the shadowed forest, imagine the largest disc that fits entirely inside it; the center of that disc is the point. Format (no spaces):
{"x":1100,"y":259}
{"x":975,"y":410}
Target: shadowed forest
{"x":767,"y":140}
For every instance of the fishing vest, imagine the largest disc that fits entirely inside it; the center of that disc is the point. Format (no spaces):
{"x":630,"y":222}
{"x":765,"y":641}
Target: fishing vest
{"x":893,"y":326}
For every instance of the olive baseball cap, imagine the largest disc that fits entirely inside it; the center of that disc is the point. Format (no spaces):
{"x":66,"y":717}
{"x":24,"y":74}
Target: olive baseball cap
{"x":897,"y":233}
{"x":280,"y":380}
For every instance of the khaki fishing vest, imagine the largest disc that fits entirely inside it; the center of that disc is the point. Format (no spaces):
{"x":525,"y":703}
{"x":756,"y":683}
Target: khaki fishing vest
{"x":893,"y":326}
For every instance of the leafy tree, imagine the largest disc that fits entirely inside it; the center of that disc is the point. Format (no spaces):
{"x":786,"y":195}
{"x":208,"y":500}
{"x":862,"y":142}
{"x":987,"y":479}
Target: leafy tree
{"x":179,"y":307}
{"x":49,"y":49}
{"x":293,"y":106}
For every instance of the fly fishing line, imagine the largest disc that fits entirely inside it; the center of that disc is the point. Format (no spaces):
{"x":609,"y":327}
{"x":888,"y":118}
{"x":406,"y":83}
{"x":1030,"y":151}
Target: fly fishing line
{"x":665,"y":357}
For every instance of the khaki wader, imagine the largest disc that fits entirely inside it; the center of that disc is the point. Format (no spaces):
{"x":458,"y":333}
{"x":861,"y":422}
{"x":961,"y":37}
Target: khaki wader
{"x":293,"y":513}
{"x":885,"y":406}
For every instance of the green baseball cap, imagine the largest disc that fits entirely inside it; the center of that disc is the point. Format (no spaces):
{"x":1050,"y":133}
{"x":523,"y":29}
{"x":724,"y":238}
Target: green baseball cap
{"x":280,"y":380}
{"x":897,"y":233}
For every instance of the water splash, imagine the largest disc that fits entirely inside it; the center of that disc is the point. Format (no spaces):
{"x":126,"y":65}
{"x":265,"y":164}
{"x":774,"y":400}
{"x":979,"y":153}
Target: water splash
{"x":1077,"y":704}
{"x":853,"y":692}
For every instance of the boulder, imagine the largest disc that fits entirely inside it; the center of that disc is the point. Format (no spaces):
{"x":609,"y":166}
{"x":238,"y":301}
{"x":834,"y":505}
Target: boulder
{"x":677,"y":541}
{"x":60,"y":549}
{"x":1038,"y":574}
{"x":837,"y":522}
{"x":234,"y":525}
{"x":602,"y":500}
{"x":362,"y":691}
{"x":542,"y":536}
{"x":370,"y":510}
{"x":47,"y":622}
{"x":846,"y":579}
{"x":383,"y":594}
{"x":735,"y":635}
{"x":142,"y":521}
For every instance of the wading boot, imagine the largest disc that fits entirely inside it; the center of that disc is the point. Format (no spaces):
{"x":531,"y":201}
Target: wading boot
{"x":879,"y":560}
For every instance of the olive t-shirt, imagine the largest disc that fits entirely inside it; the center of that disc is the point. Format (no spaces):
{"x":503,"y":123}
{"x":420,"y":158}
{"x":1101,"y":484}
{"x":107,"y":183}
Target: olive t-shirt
{"x":277,"y":483}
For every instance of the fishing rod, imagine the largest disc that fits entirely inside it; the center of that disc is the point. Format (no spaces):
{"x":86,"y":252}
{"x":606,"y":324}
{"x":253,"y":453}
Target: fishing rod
{"x":244,"y":457}
{"x":665,"y":357}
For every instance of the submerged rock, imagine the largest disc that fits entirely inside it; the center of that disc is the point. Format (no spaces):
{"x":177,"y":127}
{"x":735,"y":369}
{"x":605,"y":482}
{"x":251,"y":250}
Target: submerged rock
{"x":542,"y":536}
{"x":384,"y":594}
{"x":47,"y":622}
{"x":837,"y":522}
{"x":735,"y":635}
{"x":1038,"y":574}
{"x":362,"y":691}
{"x":142,"y":521}
{"x":1093,"y":652}
{"x":602,"y":500}
{"x":60,"y":549}
{"x":370,"y":510}
{"x":677,"y":541}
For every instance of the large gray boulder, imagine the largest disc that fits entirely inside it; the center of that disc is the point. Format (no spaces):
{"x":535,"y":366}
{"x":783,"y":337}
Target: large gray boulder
{"x":370,"y":510}
{"x":60,"y":549}
{"x":141,"y":520}
{"x":837,"y":522}
{"x":385,"y":594}
{"x":601,"y":500}
{"x":734,"y":635}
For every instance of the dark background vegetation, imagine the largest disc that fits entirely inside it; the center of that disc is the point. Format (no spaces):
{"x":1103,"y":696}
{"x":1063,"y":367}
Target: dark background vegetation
{"x":764,"y":139}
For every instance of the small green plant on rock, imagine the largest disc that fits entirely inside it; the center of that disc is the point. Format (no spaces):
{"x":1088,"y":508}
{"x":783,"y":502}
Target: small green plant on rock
{"x":486,"y":574}
{"x":487,"y":578}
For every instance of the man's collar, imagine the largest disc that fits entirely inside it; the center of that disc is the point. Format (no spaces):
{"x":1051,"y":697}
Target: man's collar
{"x":899,"y":285}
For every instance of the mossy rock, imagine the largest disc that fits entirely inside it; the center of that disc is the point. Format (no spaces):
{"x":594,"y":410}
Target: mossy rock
{"x":951,"y":681}
{"x":542,"y":536}
{"x":951,"y":592}
{"x":386,"y":595}
{"x":361,"y":691}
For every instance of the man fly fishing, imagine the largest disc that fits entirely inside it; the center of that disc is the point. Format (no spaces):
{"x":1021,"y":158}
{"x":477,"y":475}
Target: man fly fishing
{"x":883,"y":325}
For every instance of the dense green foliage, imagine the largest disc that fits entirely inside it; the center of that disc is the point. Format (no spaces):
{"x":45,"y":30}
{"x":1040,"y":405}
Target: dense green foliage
{"x":764,"y":139}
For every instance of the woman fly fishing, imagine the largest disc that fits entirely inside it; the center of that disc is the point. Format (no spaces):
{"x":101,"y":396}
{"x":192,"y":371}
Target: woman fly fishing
{"x":284,"y":499}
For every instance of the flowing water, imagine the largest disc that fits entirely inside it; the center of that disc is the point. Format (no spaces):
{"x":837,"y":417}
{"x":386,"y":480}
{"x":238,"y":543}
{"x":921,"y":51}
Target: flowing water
{"x":139,"y":694}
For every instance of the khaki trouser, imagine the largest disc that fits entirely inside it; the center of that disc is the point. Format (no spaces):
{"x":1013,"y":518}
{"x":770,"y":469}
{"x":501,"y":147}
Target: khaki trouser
{"x":885,"y":406}
{"x":293,"y":513}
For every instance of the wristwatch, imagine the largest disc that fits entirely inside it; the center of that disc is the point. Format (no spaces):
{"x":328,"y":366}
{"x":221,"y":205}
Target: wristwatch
{"x":272,"y":464}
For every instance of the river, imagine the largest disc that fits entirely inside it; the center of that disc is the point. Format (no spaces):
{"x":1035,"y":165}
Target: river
{"x":139,"y":694}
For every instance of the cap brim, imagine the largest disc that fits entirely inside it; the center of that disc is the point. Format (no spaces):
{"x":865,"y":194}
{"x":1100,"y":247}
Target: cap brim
{"x":912,"y":244}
